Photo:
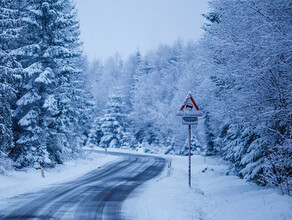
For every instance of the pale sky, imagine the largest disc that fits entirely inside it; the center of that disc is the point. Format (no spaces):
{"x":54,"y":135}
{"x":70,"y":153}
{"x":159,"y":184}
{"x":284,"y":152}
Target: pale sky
{"x":123,"y":26}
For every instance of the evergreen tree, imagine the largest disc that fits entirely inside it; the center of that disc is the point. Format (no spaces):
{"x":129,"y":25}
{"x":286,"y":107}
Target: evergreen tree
{"x":10,"y":70}
{"x":251,"y":84}
{"x":48,"y":110}
{"x":95,"y":134}
{"x":113,"y":124}
{"x":196,"y":147}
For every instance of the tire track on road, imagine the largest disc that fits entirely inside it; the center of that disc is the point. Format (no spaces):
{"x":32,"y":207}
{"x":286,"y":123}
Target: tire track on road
{"x":98,"y":194}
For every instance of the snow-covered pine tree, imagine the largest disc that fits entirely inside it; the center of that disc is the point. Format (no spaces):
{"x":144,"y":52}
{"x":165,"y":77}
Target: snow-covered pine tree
{"x":196,"y":147}
{"x":95,"y":134}
{"x":6,"y":137}
{"x":252,"y":83}
{"x":30,"y":131}
{"x":63,"y":54}
{"x":48,"y":110}
{"x":10,"y":69}
{"x":92,"y":73}
{"x":114,"y":122}
{"x":28,"y":128}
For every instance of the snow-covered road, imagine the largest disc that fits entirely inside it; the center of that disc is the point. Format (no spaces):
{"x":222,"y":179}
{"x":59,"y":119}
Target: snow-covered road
{"x":110,"y":190}
{"x":97,"y":195}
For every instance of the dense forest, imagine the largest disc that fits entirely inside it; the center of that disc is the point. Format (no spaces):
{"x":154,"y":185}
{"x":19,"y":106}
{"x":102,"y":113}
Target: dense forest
{"x":54,"y":101}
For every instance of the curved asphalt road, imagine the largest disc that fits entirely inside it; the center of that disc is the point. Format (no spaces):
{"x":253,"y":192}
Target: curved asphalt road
{"x":97,"y":195}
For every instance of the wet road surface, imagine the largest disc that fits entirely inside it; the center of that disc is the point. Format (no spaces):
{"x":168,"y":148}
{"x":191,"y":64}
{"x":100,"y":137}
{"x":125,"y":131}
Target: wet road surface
{"x":98,"y":194}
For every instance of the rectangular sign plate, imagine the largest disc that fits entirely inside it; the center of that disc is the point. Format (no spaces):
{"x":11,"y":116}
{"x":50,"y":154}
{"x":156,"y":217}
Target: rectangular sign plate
{"x":189,"y":120}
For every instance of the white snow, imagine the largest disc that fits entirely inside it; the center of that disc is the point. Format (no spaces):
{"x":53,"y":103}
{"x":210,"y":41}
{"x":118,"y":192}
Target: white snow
{"x":51,"y":104}
{"x":44,"y":77}
{"x":16,"y":183}
{"x":213,"y":195}
{"x":57,"y":51}
{"x":28,"y":118}
{"x":29,"y":98}
{"x":29,"y":50}
{"x":33,"y":69}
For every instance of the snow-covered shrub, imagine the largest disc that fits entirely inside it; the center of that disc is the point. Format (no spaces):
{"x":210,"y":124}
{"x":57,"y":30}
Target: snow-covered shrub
{"x":278,"y":168}
{"x":6,"y":164}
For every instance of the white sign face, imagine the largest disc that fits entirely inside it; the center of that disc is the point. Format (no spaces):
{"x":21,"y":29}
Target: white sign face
{"x":189,"y":108}
{"x":189,"y":120}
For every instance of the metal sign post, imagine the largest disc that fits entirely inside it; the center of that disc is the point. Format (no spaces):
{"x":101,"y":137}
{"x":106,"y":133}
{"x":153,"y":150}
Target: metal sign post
{"x":190,"y":161}
{"x":189,"y":117}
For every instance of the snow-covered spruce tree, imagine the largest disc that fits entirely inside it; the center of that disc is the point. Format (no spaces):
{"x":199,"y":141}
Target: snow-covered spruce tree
{"x":82,"y":108}
{"x":253,"y":80}
{"x":29,"y":134}
{"x":113,"y":124}
{"x":90,"y":80}
{"x":10,"y":69}
{"x":95,"y":134}
{"x":6,"y":137}
{"x":93,"y":73}
{"x":63,"y":54}
{"x":47,"y":110}
{"x":196,"y":147}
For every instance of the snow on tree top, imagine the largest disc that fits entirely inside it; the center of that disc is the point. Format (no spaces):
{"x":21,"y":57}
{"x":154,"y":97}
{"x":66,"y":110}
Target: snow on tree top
{"x":33,"y":69}
{"x":44,"y":77}
{"x":28,"y":98}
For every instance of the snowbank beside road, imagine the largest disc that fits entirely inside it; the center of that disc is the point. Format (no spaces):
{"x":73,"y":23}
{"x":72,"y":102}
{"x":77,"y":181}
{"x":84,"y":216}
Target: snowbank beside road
{"x":16,"y":183}
{"x":213,"y":196}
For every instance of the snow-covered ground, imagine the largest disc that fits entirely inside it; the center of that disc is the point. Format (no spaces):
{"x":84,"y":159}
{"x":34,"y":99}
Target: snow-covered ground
{"x":16,"y":183}
{"x":213,"y":195}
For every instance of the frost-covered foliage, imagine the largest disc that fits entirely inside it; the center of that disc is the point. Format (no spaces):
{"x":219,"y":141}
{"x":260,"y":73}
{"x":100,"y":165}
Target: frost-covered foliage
{"x":152,"y":88}
{"x":44,"y":125}
{"x":248,"y":44}
{"x":10,"y":28}
{"x":239,"y":74}
{"x":43,"y":84}
{"x":196,"y":147}
{"x":114,"y":124}
{"x":95,"y":134}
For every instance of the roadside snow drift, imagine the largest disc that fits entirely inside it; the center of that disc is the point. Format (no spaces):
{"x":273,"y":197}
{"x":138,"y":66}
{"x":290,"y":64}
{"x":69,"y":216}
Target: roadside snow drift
{"x":213,"y":196}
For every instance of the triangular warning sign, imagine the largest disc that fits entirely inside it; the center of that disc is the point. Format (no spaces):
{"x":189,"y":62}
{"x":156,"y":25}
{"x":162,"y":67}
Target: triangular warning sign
{"x":189,"y":108}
